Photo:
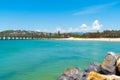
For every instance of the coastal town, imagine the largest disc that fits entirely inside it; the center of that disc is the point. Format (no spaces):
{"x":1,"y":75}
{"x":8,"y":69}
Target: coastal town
{"x":28,"y":35}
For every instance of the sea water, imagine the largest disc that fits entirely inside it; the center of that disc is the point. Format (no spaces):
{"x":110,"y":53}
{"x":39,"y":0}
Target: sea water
{"x":47,"y":59}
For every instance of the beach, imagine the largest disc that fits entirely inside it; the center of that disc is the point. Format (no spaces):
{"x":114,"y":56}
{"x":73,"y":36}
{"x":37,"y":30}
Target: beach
{"x":92,"y":39}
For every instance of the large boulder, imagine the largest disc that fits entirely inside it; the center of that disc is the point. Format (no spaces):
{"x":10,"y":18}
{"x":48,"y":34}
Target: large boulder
{"x":97,"y":76}
{"x":118,"y":66}
{"x":109,"y":69}
{"x":72,"y":74}
{"x":108,"y":65}
{"x":93,"y":67}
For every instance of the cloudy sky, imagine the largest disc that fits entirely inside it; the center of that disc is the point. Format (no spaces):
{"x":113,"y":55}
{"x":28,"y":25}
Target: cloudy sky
{"x":64,"y":15}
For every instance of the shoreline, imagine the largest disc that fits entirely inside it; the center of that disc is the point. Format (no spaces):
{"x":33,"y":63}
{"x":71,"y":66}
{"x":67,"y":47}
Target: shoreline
{"x":92,"y":39}
{"x":73,"y":39}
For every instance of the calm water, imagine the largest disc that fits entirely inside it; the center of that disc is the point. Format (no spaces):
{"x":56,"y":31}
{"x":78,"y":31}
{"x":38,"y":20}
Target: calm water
{"x":46,"y":59}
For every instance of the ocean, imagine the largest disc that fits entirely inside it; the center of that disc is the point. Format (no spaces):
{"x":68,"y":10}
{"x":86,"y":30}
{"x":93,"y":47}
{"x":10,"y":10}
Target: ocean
{"x":47,"y":59}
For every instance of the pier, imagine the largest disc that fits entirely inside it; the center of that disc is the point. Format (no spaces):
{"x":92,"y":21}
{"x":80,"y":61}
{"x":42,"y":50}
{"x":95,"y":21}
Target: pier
{"x":17,"y":38}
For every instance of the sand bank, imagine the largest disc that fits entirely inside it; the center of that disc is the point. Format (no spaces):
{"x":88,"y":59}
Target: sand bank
{"x":93,"y":39}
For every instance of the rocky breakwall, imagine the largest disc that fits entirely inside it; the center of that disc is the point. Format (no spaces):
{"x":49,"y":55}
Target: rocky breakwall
{"x":109,"y":69}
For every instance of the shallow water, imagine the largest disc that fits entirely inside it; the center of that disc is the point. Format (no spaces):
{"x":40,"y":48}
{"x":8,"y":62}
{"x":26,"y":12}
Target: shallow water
{"x":46,"y":59}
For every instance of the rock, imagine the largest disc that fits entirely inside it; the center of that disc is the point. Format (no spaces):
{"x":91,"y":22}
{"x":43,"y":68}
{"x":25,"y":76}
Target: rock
{"x":84,"y":77}
{"x":108,"y":65}
{"x":97,"y":76}
{"x":109,"y":69}
{"x":118,"y":66}
{"x":72,"y":74}
{"x":93,"y":67}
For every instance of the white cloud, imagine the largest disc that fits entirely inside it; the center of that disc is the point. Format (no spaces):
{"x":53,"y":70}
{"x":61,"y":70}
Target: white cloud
{"x":83,"y":28}
{"x":96,"y":25}
{"x":95,"y":9}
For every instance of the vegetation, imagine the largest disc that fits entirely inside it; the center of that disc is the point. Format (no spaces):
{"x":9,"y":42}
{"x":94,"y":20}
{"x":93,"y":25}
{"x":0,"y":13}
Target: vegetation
{"x":31,"y":34}
{"x":40,"y":35}
{"x":104,"y":34}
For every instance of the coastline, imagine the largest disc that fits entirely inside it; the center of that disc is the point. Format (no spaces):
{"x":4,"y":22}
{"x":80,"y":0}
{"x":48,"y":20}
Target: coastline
{"x":92,"y":39}
{"x":71,"y":38}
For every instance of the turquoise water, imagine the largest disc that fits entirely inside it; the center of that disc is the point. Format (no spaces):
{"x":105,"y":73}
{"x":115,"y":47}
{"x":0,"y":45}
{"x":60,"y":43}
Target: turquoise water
{"x":46,"y":59}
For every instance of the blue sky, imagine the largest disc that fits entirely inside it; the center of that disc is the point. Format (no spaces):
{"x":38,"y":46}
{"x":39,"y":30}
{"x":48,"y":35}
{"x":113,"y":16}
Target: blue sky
{"x":64,"y":15}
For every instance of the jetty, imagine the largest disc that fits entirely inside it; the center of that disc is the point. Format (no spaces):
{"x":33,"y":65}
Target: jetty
{"x":13,"y":38}
{"x":18,"y":38}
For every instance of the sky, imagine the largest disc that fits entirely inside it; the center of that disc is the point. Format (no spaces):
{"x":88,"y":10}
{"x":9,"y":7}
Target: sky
{"x":63,"y":15}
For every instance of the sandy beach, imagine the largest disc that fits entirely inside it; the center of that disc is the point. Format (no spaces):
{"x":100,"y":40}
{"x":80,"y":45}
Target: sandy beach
{"x":93,"y":39}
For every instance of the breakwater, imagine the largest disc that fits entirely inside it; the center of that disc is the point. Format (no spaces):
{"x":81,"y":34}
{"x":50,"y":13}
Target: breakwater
{"x":109,"y":69}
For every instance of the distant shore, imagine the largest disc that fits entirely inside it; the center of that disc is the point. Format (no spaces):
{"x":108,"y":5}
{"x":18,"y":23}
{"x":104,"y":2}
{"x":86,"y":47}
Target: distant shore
{"x":92,"y":39}
{"x":71,"y":38}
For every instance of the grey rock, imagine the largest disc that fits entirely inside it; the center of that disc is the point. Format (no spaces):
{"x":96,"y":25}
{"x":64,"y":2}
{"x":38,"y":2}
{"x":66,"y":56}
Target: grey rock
{"x":108,"y":65}
{"x":72,"y":74}
{"x":93,"y":67}
{"x":118,"y":66}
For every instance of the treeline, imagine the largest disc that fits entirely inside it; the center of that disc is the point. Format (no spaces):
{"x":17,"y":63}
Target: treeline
{"x":104,"y":34}
{"x":36,"y":34}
